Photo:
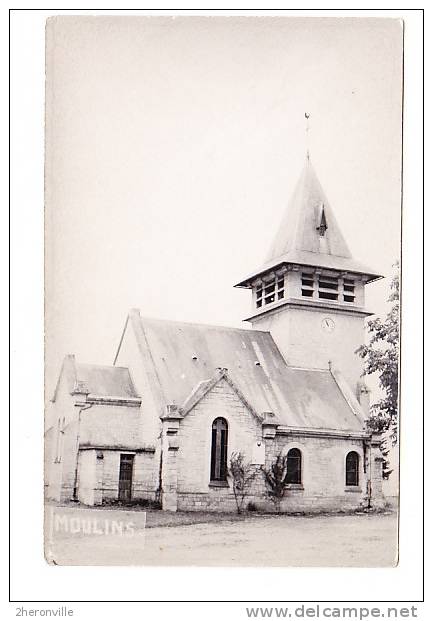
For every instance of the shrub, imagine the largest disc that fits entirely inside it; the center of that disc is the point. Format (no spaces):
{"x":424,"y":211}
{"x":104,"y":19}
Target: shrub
{"x":242,"y":474}
{"x":275,"y":479}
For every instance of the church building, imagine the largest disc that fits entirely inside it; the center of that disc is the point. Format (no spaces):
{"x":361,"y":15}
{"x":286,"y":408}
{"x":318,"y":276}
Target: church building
{"x":161,"y":423}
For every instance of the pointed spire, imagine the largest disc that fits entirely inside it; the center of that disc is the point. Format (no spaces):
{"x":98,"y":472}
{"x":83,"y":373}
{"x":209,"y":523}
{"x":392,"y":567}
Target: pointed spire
{"x":309,"y":233}
{"x":307,"y":218}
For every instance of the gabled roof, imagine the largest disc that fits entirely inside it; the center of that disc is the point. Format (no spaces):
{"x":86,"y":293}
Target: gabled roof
{"x":205,"y":386}
{"x":178,"y":357}
{"x":97,"y":380}
{"x":309,"y":233}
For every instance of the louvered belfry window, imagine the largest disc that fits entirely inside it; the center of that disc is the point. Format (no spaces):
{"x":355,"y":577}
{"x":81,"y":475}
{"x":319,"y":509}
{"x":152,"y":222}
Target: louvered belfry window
{"x":218,"y":462}
{"x":327,"y":287}
{"x":349,"y":290}
{"x":307,"y":282}
{"x":269,"y":292}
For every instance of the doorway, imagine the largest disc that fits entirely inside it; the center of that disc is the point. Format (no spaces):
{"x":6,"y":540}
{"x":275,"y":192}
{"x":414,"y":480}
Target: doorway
{"x":125,"y":476}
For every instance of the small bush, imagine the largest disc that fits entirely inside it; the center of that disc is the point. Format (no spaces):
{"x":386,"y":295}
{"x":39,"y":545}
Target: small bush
{"x":242,"y":474}
{"x":275,"y":479}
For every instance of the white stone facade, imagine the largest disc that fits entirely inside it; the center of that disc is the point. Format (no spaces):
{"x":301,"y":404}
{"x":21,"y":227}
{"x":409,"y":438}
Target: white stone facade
{"x":182,"y":480}
{"x":142,"y":429}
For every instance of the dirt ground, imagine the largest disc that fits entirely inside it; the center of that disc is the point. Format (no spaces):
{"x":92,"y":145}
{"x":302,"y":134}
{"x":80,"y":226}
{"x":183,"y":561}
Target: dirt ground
{"x":81,"y":536}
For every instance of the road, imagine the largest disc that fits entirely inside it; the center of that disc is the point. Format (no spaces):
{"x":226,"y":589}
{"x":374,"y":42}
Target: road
{"x":89,"y":537}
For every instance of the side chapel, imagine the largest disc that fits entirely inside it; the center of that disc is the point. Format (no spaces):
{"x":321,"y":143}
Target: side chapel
{"x":163,"y":420}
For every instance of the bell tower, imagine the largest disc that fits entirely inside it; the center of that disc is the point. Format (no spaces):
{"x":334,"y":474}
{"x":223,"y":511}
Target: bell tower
{"x":310,"y":291}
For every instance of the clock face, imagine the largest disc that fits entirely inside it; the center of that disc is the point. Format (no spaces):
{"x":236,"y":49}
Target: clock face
{"x":328,"y":324}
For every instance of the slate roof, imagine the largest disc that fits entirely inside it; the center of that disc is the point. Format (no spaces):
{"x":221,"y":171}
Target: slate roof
{"x":298,"y":240}
{"x":106,"y":380}
{"x":97,"y":380}
{"x":179,"y":356}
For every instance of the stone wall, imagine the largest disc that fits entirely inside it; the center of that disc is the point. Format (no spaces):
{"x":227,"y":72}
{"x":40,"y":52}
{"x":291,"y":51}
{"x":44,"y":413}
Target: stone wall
{"x":110,"y":425}
{"x":69,"y":458}
{"x":195,"y":434}
{"x":61,"y":444}
{"x":323,"y":473}
{"x":323,"y":462}
{"x":96,"y":428}
{"x":186,"y":456}
{"x":375,"y":472}
{"x":49,"y":443}
{"x":98,"y":477}
{"x":87,"y":479}
{"x":145,"y":476}
{"x":222,"y":499}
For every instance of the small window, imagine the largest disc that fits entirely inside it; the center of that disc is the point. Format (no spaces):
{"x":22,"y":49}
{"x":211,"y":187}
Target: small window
{"x":352,"y":469}
{"x":218,"y":461}
{"x":294,"y":467}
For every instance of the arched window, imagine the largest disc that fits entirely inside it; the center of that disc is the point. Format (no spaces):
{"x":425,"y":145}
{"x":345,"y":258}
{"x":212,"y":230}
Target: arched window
{"x":294,"y":467}
{"x":218,"y":460}
{"x":352,"y":468}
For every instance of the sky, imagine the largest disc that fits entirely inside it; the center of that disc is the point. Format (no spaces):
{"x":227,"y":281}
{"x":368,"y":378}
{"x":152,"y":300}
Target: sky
{"x":173,"y":146}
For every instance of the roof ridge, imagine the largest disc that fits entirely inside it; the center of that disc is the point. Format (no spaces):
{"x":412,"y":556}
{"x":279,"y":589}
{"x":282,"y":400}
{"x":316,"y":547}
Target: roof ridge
{"x":295,"y":368}
{"x":100,"y":366}
{"x":203,"y":325}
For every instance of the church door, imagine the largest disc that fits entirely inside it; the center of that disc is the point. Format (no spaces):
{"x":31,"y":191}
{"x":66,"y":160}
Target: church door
{"x":125,"y":477}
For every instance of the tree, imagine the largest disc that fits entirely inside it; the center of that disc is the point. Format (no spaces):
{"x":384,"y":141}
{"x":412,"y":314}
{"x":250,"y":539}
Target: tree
{"x":381,"y":355}
{"x":242,"y":475}
{"x":275,"y":479}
